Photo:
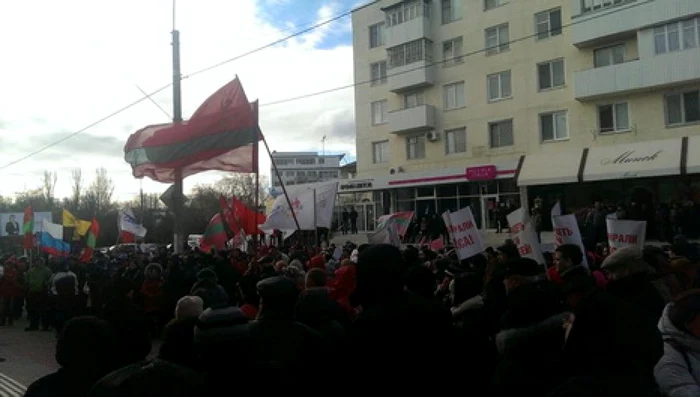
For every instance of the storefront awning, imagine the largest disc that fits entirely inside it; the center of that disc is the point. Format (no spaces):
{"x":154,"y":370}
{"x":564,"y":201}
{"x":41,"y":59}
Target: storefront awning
{"x":634,"y":160}
{"x":550,"y":168}
{"x":693,"y":155}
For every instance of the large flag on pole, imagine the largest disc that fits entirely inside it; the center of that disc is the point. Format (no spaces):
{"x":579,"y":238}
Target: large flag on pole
{"x":52,"y":239}
{"x":70,"y":220}
{"x":219,"y":136}
{"x":91,"y":242}
{"x":28,"y":228}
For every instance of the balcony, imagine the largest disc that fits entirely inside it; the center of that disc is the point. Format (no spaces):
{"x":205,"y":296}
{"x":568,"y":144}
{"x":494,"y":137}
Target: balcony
{"x":639,"y":75}
{"x":419,"y":118}
{"x":414,"y":75}
{"x":625,"y":19}
{"x":414,"y":29}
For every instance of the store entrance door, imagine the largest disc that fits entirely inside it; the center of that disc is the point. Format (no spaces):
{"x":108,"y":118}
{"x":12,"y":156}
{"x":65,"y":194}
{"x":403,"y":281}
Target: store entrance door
{"x":489,"y":205}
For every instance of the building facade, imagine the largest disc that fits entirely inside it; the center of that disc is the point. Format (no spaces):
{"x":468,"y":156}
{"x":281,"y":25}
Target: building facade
{"x":483,"y":102}
{"x":299,"y":168}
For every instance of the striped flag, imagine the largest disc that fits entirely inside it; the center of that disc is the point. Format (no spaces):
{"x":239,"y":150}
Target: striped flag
{"x":215,"y":236}
{"x":28,"y":228}
{"x":400,"y":220}
{"x":91,"y":243}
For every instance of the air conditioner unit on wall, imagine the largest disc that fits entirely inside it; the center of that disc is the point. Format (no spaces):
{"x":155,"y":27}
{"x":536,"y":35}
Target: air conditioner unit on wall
{"x":432,"y":136}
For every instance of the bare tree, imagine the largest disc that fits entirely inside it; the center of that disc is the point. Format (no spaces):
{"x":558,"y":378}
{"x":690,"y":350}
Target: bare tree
{"x":98,"y":197}
{"x":49,"y":187}
{"x":77,"y":187}
{"x":242,"y":186}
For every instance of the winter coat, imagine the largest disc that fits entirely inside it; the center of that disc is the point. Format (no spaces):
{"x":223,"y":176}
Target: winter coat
{"x":678,"y":372}
{"x":10,"y":283}
{"x":153,"y":296}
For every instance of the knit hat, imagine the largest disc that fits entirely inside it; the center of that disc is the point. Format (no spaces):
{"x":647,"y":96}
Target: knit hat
{"x":188,"y":306}
{"x":220,"y":325}
{"x":154,"y":271}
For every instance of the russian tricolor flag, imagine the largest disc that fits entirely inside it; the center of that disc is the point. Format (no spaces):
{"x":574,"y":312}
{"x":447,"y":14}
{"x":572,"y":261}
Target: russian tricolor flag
{"x":52,"y":239}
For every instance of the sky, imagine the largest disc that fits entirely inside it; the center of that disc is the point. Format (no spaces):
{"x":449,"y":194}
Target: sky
{"x":75,"y":62}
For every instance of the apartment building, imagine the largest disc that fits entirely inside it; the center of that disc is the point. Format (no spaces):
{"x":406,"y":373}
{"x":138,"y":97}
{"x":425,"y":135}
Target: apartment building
{"x":486,"y":102}
{"x":298,"y":168}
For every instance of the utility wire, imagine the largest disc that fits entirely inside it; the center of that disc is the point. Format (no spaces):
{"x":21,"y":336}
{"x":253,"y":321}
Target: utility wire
{"x":309,"y":95}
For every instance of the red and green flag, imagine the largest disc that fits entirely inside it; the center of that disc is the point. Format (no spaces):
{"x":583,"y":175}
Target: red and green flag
{"x":91,"y":242}
{"x":215,"y":236}
{"x":28,"y":228}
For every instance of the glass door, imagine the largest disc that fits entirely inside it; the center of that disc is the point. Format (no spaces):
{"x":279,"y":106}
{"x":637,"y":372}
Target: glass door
{"x":489,"y":212}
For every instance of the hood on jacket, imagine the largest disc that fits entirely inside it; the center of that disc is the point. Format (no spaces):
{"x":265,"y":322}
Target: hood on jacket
{"x":669,"y":331}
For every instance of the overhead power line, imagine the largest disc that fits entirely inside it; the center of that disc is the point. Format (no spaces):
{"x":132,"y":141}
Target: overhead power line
{"x":305,"y":96}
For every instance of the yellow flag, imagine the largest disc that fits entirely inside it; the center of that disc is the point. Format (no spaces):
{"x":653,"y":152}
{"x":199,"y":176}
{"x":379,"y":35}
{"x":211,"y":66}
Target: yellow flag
{"x":70,"y":220}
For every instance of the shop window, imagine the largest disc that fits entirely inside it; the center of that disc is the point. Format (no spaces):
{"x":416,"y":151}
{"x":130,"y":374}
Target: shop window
{"x":449,"y":204}
{"x":446,"y":191}
{"x":469,"y":189}
{"x":425,"y":191}
{"x":406,"y":194}
{"x":508,"y":186}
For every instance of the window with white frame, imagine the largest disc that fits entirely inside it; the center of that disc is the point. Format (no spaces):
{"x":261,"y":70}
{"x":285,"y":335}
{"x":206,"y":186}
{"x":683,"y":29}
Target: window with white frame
{"x":683,"y":107}
{"x":548,"y":23}
{"x":456,"y":141}
{"x":551,"y":74}
{"x":501,"y":133}
{"x":306,"y":161}
{"x":677,"y":36}
{"x":499,"y":86}
{"x":414,"y":51}
{"x":380,"y":152}
{"x":380,"y":112}
{"x":412,"y":99}
{"x":452,"y":52}
{"x":406,"y":11}
{"x":497,"y":39}
{"x":607,"y":56}
{"x":415,"y":147}
{"x":490,"y":4}
{"x":613,"y":118}
{"x":378,"y":72}
{"x":593,"y":5}
{"x":554,"y":126}
{"x":451,"y":10}
{"x":453,"y":96}
{"x":376,"y":35}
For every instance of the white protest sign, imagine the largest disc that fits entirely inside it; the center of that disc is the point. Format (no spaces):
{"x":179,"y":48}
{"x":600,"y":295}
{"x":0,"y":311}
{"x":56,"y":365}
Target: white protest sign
{"x":464,"y":234}
{"x":566,"y":231}
{"x":623,"y":233}
{"x":523,"y":234}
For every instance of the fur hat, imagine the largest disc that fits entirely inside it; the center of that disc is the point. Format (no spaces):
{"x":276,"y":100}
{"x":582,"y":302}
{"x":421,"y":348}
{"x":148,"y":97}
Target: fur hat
{"x":188,"y":306}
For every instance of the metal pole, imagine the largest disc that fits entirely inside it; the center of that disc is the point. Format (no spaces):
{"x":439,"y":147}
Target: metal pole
{"x":284,"y":189}
{"x":316,"y":242}
{"x":178,"y":238}
{"x":256,"y":200}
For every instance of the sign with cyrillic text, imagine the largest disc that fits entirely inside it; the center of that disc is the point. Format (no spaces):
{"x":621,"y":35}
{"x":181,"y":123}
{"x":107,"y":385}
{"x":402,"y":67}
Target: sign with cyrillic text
{"x":623,"y":233}
{"x":464,"y":234}
{"x":523,"y":234}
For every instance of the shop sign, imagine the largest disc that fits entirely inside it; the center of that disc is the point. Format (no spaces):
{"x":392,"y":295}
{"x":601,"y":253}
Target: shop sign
{"x":482,"y":173}
{"x":356,"y":185}
{"x":631,"y":156}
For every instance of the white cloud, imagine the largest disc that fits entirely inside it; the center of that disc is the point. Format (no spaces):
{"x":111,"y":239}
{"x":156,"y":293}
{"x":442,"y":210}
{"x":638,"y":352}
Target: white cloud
{"x":77,"y":61}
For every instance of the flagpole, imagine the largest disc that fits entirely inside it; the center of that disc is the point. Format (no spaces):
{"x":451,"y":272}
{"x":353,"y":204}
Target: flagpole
{"x":177,"y":118}
{"x":279,"y":177}
{"x":316,"y":242}
{"x":256,"y":164}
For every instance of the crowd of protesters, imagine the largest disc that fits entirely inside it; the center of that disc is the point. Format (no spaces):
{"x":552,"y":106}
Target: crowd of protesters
{"x":373,"y":317}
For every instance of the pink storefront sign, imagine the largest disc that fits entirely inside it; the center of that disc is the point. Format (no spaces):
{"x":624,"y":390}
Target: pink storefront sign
{"x":482,"y":173}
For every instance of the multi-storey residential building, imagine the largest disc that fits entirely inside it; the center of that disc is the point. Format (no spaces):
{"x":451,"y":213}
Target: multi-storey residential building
{"x":481,"y":102}
{"x":298,"y":168}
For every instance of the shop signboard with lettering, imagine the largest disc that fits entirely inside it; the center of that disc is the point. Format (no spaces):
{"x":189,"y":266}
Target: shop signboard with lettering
{"x":624,"y":233}
{"x":522,"y":231}
{"x":634,"y":160}
{"x":482,"y":173}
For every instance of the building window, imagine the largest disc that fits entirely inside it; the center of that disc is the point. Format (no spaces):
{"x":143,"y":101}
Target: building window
{"x":499,"y":86}
{"x":548,"y":23}
{"x":380,"y":152}
{"x":414,"y":51}
{"x":554,"y":127}
{"x":497,"y":39}
{"x":551,"y":74}
{"x":378,"y":72}
{"x":501,"y":133}
{"x":453,"y":96}
{"x":376,"y":35}
{"x":407,"y":11}
{"x":290,"y":173}
{"x":491,"y":4}
{"x":306,"y":162}
{"x":282,"y":162}
{"x":609,"y":56}
{"x":613,"y":118}
{"x":413,"y":99}
{"x":451,"y":10}
{"x":415,"y":147}
{"x":677,"y":36}
{"x":683,"y":108}
{"x":592,"y":5}
{"x":452,"y":52}
{"x":456,"y":141}
{"x":380,"y":112}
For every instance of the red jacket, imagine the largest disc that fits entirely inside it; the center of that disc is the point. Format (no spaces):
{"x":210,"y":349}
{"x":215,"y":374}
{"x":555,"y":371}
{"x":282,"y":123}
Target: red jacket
{"x":10,"y":283}
{"x":152,"y":291}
